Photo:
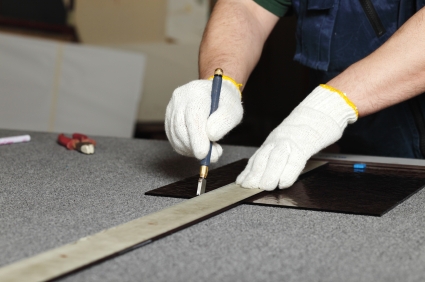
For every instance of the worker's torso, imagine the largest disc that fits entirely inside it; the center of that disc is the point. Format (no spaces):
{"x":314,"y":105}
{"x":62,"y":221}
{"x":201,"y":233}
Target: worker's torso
{"x":333,"y":34}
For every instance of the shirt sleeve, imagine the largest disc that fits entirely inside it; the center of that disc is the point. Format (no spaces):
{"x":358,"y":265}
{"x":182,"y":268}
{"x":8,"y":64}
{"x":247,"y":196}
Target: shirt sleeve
{"x":277,"y":7}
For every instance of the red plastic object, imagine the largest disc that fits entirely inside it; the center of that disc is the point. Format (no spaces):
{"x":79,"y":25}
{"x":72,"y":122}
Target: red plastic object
{"x":71,"y":143}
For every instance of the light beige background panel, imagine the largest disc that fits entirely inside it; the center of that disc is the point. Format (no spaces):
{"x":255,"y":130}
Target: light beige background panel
{"x":168,"y":66}
{"x":120,"y":21}
{"x":26,"y":80}
{"x":149,"y":27}
{"x":103,"y":87}
{"x":186,"y":20}
{"x":61,"y":87}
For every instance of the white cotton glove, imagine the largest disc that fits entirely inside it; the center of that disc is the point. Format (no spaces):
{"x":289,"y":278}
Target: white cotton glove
{"x":189,"y":127}
{"x":314,"y":124}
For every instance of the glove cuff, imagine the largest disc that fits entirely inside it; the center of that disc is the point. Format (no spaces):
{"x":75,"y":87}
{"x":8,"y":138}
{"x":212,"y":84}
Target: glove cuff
{"x":343,"y":96}
{"x":228,"y":78}
{"x":333,"y":103}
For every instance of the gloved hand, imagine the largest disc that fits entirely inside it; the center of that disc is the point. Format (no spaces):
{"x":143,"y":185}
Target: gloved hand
{"x":314,"y":124}
{"x":187,"y":125}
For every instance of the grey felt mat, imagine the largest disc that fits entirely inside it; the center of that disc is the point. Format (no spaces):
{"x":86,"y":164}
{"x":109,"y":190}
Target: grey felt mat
{"x":50,"y":196}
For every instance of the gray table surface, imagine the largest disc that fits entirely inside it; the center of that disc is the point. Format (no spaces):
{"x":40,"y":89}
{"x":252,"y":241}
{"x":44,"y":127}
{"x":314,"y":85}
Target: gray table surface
{"x":50,"y":196}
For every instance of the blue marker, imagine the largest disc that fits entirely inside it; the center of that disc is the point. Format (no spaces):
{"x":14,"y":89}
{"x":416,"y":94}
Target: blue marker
{"x":359,"y":166}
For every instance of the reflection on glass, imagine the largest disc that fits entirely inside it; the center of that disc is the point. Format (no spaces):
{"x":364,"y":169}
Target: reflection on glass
{"x":295,"y":196}
{"x":276,"y":199}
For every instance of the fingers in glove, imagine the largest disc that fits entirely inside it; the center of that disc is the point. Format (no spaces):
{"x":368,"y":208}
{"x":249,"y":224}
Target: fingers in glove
{"x":170,"y":130}
{"x":275,"y":166}
{"x":242,"y":176}
{"x":224,"y":119}
{"x":186,"y":118}
{"x":196,"y":119}
{"x":178,"y":132}
{"x":259,"y":164}
{"x":167,"y":123}
{"x":293,"y":168}
{"x":168,"y":120}
{"x":228,"y":114}
{"x":216,"y":152}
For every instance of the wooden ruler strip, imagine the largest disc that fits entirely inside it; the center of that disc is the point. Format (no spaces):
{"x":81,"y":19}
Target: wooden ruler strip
{"x":88,"y":250}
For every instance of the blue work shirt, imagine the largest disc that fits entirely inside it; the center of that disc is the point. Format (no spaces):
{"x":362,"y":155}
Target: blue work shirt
{"x":333,"y":34}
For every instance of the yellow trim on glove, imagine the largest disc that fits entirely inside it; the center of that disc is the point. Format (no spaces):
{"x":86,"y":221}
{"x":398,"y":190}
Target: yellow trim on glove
{"x":228,"y":78}
{"x":343,"y":95}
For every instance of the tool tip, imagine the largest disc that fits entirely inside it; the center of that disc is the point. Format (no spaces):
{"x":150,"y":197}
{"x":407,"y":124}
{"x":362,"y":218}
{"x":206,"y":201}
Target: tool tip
{"x":202,"y":183}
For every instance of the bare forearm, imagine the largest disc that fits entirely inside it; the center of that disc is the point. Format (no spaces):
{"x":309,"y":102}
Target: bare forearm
{"x":393,"y":73}
{"x":234,"y":38}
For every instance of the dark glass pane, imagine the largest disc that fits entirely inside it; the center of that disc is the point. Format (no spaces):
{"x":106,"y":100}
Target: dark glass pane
{"x":334,"y":188}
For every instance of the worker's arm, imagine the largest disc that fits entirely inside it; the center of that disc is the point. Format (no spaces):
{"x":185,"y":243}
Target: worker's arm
{"x":234,"y":38}
{"x":233,"y":41}
{"x":393,"y":73}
